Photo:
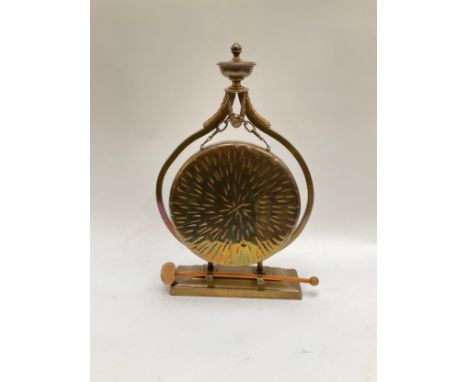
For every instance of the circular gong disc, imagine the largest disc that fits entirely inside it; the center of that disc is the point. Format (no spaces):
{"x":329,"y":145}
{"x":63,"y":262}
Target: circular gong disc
{"x":234,"y":204}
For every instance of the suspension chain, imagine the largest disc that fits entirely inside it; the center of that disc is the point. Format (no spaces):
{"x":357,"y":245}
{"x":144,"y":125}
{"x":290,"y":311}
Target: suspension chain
{"x":223,"y":125}
{"x":219,"y":129}
{"x":252,"y":129}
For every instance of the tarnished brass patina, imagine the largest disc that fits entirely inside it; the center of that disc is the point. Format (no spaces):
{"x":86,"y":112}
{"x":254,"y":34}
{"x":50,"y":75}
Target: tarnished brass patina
{"x":235,"y":204}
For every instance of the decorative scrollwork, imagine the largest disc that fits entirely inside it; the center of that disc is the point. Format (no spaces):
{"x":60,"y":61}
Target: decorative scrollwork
{"x":251,"y":113}
{"x":221,"y":113}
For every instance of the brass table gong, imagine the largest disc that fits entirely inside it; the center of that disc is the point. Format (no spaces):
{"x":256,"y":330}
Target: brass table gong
{"x":235,"y":204}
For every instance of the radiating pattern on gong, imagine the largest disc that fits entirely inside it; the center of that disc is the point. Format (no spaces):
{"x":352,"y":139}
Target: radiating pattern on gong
{"x":234,"y":204}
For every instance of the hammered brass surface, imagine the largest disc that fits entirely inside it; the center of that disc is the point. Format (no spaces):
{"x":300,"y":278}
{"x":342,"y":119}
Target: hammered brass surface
{"x":234,"y":204}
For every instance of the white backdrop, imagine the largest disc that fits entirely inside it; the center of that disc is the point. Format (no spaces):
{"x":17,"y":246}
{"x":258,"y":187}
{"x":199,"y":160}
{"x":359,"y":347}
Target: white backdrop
{"x":154,"y":81}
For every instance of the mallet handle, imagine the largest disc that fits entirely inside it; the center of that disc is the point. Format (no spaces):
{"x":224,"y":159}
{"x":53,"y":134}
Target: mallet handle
{"x":313,"y":280}
{"x":169,"y":272}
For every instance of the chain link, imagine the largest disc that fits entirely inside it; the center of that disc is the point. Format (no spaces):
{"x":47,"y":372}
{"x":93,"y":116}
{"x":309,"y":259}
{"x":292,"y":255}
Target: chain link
{"x":247,"y":125}
{"x":252,"y":129}
{"x":218,"y":130}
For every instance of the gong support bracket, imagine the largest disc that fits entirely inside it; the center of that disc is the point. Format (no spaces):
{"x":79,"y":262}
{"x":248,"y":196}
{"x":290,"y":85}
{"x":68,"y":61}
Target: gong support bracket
{"x":209,"y":275}
{"x":246,"y":110}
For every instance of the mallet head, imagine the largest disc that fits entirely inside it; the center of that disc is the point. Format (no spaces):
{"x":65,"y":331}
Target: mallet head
{"x":168,"y":273}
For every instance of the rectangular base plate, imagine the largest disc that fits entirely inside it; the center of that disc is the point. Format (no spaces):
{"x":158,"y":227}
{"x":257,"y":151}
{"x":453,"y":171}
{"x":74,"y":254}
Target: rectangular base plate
{"x":225,"y":287}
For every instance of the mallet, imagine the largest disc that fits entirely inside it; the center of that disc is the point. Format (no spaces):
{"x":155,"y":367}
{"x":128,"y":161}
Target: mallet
{"x":169,"y":272}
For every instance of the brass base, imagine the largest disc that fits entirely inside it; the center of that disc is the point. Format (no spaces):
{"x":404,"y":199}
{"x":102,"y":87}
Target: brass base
{"x":217,"y":287}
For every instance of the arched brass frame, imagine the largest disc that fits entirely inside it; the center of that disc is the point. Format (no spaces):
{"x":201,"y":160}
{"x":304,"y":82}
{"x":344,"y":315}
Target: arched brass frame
{"x":259,"y":122}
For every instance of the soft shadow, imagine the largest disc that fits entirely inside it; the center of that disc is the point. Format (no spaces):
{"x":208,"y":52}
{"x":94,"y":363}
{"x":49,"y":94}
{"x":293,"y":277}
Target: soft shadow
{"x":307,"y":293}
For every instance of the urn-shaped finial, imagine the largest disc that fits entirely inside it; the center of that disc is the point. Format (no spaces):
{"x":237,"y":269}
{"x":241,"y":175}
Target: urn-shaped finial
{"x":236,"y":69}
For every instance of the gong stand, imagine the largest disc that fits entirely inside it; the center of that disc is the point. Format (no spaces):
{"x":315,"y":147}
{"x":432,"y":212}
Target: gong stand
{"x":225,"y":274}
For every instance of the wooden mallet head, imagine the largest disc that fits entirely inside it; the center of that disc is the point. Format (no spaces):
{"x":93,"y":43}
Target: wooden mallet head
{"x":168,"y":273}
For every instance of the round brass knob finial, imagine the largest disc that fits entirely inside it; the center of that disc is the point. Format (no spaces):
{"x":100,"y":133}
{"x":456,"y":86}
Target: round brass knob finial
{"x":314,"y":281}
{"x":236,"y":50}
